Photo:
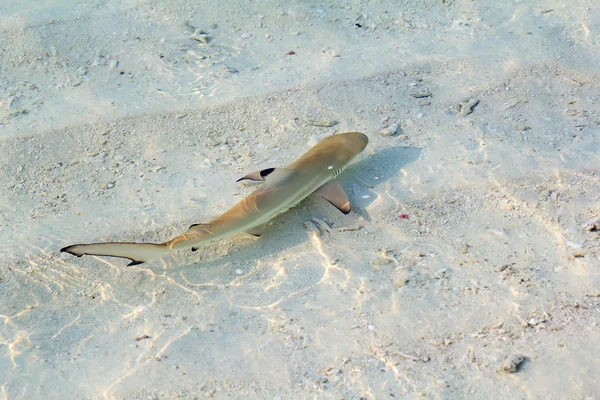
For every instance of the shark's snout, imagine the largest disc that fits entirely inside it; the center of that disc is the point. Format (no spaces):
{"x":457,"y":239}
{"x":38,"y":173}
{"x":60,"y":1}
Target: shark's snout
{"x":347,"y":144}
{"x":358,"y":141}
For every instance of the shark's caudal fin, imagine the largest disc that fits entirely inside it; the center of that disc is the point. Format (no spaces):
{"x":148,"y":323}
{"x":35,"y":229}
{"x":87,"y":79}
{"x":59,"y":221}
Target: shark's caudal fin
{"x":138,"y":253}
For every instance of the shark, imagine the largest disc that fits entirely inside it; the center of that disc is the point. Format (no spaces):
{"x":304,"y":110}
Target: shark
{"x":280,"y":189}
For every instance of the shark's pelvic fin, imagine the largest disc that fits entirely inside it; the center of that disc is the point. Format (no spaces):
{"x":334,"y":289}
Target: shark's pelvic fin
{"x":333,"y":192}
{"x":257,"y":230}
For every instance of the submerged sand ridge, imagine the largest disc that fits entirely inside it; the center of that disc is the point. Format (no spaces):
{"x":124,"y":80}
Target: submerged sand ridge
{"x":473,"y":239}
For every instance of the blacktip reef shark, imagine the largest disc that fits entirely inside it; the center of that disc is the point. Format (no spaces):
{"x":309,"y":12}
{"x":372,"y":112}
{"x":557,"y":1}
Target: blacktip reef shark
{"x":282,"y":188}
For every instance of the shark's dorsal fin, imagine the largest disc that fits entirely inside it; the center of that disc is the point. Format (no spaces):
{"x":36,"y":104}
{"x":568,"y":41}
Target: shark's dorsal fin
{"x":257,"y":230}
{"x":256,"y":176}
{"x":268,"y":175}
{"x":333,"y":192}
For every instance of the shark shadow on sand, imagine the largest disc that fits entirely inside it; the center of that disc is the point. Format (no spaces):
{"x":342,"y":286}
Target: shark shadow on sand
{"x":384,"y":164}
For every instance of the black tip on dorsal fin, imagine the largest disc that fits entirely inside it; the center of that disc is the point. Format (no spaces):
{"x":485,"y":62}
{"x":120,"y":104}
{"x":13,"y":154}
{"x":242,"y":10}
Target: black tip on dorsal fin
{"x":266,"y":172}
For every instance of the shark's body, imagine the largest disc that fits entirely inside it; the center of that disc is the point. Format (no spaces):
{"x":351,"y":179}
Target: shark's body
{"x":282,"y":189}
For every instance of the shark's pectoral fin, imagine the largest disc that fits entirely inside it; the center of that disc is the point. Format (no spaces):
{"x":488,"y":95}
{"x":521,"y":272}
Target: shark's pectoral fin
{"x":333,"y":192}
{"x":257,"y":230}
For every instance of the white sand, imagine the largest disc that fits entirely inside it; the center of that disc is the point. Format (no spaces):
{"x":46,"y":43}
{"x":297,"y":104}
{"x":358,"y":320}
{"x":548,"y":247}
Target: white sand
{"x":499,"y":255}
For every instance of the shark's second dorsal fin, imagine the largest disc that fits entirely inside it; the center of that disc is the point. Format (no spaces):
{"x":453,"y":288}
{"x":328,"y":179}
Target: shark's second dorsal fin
{"x":333,"y":192}
{"x":198,"y":227}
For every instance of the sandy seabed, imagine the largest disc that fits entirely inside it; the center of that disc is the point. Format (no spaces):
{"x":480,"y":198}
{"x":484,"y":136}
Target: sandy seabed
{"x":468,"y":268}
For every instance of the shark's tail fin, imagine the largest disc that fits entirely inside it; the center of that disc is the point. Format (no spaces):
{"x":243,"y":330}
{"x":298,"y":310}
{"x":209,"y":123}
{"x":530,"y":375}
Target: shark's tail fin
{"x":138,"y":253}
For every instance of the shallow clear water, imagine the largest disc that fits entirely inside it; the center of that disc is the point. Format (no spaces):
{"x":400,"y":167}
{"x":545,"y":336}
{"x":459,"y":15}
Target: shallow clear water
{"x":471,"y":238}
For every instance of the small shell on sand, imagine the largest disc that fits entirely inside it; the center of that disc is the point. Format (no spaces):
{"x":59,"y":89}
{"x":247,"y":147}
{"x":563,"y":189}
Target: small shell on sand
{"x":513,"y":363}
{"x":381,"y":261}
{"x":321,"y":122}
{"x":420,"y":95}
{"x":466,"y":107}
{"x":200,"y":36}
{"x":390,"y":130}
